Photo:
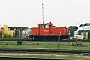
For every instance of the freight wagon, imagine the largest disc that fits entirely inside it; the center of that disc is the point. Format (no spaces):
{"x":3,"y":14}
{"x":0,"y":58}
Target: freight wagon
{"x":48,"y":32}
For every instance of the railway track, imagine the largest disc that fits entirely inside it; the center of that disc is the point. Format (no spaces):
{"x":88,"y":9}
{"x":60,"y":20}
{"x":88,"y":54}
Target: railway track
{"x":45,"y":50}
{"x":15,"y":58}
{"x":9,"y":50}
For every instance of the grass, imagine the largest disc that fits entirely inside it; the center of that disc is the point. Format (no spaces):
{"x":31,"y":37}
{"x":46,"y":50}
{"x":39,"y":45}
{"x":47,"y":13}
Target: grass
{"x":52,"y":45}
{"x":31,"y":55}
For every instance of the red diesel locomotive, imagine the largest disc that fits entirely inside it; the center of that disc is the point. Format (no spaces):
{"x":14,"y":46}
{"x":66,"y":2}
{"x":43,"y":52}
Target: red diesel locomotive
{"x":48,"y":32}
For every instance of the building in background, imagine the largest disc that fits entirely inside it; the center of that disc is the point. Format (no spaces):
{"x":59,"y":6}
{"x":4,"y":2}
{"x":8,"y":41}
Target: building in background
{"x":18,"y":31}
{"x":26,"y":32}
{"x":5,"y":32}
{"x":71,"y":30}
{"x":84,"y":30}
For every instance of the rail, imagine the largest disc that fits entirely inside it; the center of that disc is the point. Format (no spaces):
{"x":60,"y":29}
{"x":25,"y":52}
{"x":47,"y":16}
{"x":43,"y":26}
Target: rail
{"x":45,"y":50}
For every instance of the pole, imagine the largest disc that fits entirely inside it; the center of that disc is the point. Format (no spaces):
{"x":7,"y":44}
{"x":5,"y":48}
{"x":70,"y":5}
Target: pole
{"x":43,"y":13}
{"x":83,"y":30}
{"x":59,"y":40}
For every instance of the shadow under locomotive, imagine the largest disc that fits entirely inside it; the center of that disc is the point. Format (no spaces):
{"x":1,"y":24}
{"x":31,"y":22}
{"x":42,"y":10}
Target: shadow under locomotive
{"x":47,"y":37}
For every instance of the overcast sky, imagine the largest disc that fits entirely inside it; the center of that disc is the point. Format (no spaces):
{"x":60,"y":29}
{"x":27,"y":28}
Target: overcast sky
{"x":59,"y":12}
